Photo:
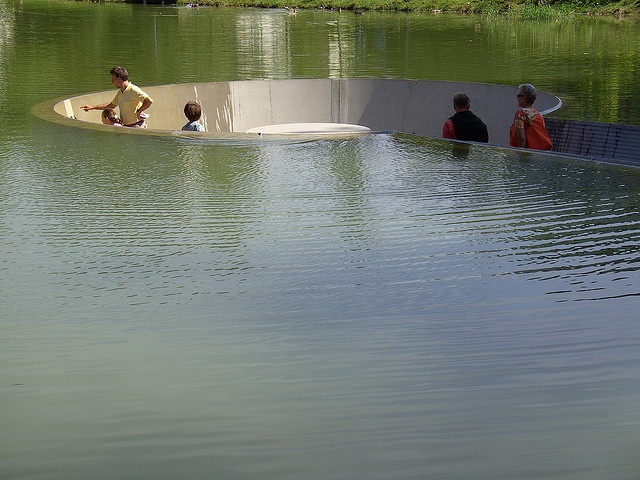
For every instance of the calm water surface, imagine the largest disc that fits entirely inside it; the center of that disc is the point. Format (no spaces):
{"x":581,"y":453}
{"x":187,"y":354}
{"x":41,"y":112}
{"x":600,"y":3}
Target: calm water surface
{"x":379,"y":307}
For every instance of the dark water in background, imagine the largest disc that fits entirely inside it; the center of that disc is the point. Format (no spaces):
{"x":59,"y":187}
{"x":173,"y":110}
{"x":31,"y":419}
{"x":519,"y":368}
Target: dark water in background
{"x":379,"y":307}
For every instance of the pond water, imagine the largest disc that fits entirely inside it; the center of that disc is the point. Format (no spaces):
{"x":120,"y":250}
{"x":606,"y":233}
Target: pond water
{"x":379,"y":306}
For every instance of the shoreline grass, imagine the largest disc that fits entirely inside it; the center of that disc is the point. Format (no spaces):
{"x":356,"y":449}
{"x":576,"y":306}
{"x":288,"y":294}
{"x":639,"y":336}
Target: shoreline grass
{"x":526,"y":9}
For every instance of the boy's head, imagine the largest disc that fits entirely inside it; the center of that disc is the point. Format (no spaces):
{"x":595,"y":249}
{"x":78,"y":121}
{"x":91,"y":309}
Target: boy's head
{"x":193,"y":111}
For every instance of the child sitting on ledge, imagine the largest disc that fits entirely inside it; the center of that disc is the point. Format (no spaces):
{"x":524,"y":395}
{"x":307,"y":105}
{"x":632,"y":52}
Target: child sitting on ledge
{"x":193,"y":111}
{"x":109,"y":117}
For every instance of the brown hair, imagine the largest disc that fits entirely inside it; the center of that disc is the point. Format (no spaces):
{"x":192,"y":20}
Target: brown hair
{"x":119,"y":72}
{"x":193,"y":111}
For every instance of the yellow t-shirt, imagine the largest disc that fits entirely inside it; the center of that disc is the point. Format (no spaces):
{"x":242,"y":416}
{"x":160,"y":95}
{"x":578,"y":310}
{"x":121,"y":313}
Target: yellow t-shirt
{"x":129,"y":102}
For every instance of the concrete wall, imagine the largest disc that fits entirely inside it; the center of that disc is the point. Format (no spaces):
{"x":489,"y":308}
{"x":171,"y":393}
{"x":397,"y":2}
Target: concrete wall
{"x":410,"y":106}
{"x":598,"y":141}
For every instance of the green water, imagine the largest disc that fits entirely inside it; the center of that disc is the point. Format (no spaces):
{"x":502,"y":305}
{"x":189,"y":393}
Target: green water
{"x":65,"y":48}
{"x":379,"y":307}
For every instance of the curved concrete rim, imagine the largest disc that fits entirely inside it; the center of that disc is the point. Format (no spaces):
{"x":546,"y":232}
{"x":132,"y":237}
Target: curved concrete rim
{"x":308,"y":107}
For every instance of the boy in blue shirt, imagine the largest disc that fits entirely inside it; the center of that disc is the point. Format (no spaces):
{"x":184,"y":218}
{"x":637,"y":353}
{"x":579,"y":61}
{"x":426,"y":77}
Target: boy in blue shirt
{"x":193,"y":111}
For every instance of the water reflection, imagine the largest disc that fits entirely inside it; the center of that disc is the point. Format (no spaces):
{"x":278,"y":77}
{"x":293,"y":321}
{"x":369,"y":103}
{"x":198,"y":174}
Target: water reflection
{"x":543,"y":225}
{"x":258,"y":288}
{"x":444,"y":211}
{"x":6,"y":43}
{"x":586,"y":234}
{"x":380,"y":307}
{"x":264,"y":45}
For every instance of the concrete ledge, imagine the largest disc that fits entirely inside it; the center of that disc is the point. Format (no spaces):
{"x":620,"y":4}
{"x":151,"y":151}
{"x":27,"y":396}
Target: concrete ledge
{"x":410,"y":106}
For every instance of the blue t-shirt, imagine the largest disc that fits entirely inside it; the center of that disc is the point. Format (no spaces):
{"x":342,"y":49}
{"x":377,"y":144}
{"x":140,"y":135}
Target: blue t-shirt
{"x":194,"y":127}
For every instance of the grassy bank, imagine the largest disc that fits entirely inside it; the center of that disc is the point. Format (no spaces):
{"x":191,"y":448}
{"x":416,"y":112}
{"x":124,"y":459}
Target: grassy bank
{"x":533,"y":9}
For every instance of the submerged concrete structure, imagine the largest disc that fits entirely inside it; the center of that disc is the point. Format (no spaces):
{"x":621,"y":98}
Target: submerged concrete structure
{"x":410,"y":106}
{"x":350,"y":106}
